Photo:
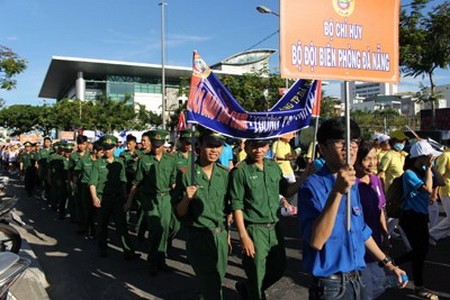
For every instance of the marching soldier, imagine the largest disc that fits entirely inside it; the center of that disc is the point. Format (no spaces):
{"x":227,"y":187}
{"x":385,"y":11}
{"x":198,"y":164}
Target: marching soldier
{"x":84,"y":168}
{"x":43,"y":157}
{"x":155,"y":177}
{"x":255,"y":186}
{"x":130,"y":157}
{"x":107,"y":186}
{"x":183,"y":154}
{"x":76,"y":206}
{"x":26,"y":167}
{"x":203,"y":208}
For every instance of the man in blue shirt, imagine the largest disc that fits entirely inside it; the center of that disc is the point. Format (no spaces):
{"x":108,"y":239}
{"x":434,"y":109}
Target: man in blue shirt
{"x":226,"y":157}
{"x":333,"y":255}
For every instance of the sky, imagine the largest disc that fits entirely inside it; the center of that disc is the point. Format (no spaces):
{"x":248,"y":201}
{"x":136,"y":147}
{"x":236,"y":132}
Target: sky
{"x":131,"y":31}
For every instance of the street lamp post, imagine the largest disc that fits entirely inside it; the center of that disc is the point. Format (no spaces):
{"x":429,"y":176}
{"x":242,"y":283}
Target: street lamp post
{"x":163,"y":70}
{"x":265,"y":10}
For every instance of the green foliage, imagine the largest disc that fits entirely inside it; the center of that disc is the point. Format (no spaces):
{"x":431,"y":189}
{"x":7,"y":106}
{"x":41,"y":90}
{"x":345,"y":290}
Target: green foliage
{"x":378,"y":121}
{"x":23,"y":118}
{"x":106,"y":115}
{"x":425,"y":42}
{"x":254,"y":91}
{"x":10,"y":65}
{"x":327,"y":106}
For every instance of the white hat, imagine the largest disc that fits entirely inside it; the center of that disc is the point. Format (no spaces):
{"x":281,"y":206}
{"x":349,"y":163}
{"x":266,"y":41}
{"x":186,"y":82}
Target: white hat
{"x":167,"y":144}
{"x":423,"y":148}
{"x":383,"y":138}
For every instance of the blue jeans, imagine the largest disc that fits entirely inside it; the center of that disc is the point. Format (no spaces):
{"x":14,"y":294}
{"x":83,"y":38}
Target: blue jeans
{"x":374,"y":279}
{"x":338,"y":286}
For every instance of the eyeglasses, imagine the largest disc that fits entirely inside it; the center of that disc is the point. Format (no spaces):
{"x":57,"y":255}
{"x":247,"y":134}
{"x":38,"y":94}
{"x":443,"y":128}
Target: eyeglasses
{"x":340,"y":143}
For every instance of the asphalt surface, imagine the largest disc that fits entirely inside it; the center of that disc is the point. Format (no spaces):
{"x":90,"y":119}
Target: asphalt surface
{"x":68,"y":266}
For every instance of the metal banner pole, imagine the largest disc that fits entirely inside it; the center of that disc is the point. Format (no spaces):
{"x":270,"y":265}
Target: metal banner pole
{"x":193,"y":155}
{"x":347,"y":144}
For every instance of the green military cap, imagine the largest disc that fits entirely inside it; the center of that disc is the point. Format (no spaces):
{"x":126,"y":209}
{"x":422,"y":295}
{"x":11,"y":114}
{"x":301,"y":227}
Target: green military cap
{"x":109,"y":141}
{"x":67,"y":147}
{"x":211,"y":137}
{"x":158,"y":137}
{"x":259,"y":142}
{"x":186,"y":134}
{"x":27,"y":144}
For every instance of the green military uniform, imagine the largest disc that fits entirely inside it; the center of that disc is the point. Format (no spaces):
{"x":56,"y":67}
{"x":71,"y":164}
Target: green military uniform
{"x":130,"y":160}
{"x":155,"y":180}
{"x":43,"y":157}
{"x":183,"y":161}
{"x":27,"y":160}
{"x":256,"y":192}
{"x":76,"y":206}
{"x":59,"y":168}
{"x":109,"y":180}
{"x":84,"y":169}
{"x":206,"y":245}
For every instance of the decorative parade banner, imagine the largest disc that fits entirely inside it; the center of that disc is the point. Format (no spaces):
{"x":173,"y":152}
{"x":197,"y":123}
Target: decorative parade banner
{"x":212,"y":106}
{"x":340,"y":39}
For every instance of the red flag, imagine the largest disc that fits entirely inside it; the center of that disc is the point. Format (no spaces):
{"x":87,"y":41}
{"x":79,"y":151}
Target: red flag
{"x":317,"y":102}
{"x":181,"y":122}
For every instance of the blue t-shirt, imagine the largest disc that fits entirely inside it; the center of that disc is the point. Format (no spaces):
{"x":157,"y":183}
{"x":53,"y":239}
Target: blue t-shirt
{"x":344,"y":250}
{"x":415,"y":198}
{"x":226,"y":156}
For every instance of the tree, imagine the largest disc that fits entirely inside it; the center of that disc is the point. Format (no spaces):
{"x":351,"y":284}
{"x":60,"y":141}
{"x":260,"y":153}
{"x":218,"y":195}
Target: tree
{"x":10,"y":65}
{"x":22,"y":118}
{"x":254,"y":91}
{"x":425,"y":43}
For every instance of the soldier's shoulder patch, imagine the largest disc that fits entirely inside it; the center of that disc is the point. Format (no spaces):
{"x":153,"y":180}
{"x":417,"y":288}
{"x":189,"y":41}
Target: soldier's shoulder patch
{"x":183,"y":170}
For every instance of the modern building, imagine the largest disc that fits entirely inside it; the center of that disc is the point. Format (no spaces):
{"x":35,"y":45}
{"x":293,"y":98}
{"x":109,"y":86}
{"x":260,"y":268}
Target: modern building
{"x":90,"y":79}
{"x":360,"y":91}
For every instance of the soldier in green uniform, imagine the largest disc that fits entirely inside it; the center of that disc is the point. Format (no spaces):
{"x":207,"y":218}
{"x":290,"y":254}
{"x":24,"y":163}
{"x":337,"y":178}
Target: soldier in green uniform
{"x":54,"y":165}
{"x":26,"y":168}
{"x":67,"y":149}
{"x":76,"y":207}
{"x":183,"y":154}
{"x":84,"y":168}
{"x":203,"y":207}
{"x":155,"y":177}
{"x":107,"y":185}
{"x":43,"y":157}
{"x":130,"y":157}
{"x":255,"y":186}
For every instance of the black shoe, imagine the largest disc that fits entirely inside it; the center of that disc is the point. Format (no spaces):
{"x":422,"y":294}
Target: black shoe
{"x":131,"y":256}
{"x":165,"y":268}
{"x":153,"y":272}
{"x":81,"y":231}
{"x":241,"y":289}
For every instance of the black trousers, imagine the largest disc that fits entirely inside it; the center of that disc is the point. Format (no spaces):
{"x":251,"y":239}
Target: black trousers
{"x":415,"y":226}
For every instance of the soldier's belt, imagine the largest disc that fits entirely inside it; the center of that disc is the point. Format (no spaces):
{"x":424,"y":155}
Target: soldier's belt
{"x":272,"y":224}
{"x":203,"y":229}
{"x":156,"y":194}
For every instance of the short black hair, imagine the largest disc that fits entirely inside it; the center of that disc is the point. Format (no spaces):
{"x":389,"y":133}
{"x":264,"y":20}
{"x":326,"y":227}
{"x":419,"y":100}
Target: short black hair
{"x":81,"y":139}
{"x":335,"y":128}
{"x":363,"y":150}
{"x":131,"y":137}
{"x":147,"y":134}
{"x":97,"y":146}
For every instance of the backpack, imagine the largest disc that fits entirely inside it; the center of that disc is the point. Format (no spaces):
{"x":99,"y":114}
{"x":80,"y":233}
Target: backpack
{"x":394,"y":198}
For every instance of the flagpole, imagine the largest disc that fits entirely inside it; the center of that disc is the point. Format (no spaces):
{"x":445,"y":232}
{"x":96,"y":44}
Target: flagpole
{"x":193,"y":155}
{"x":347,"y":144}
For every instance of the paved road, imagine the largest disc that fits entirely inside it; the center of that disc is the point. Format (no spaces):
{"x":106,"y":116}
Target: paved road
{"x":74,"y":271}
